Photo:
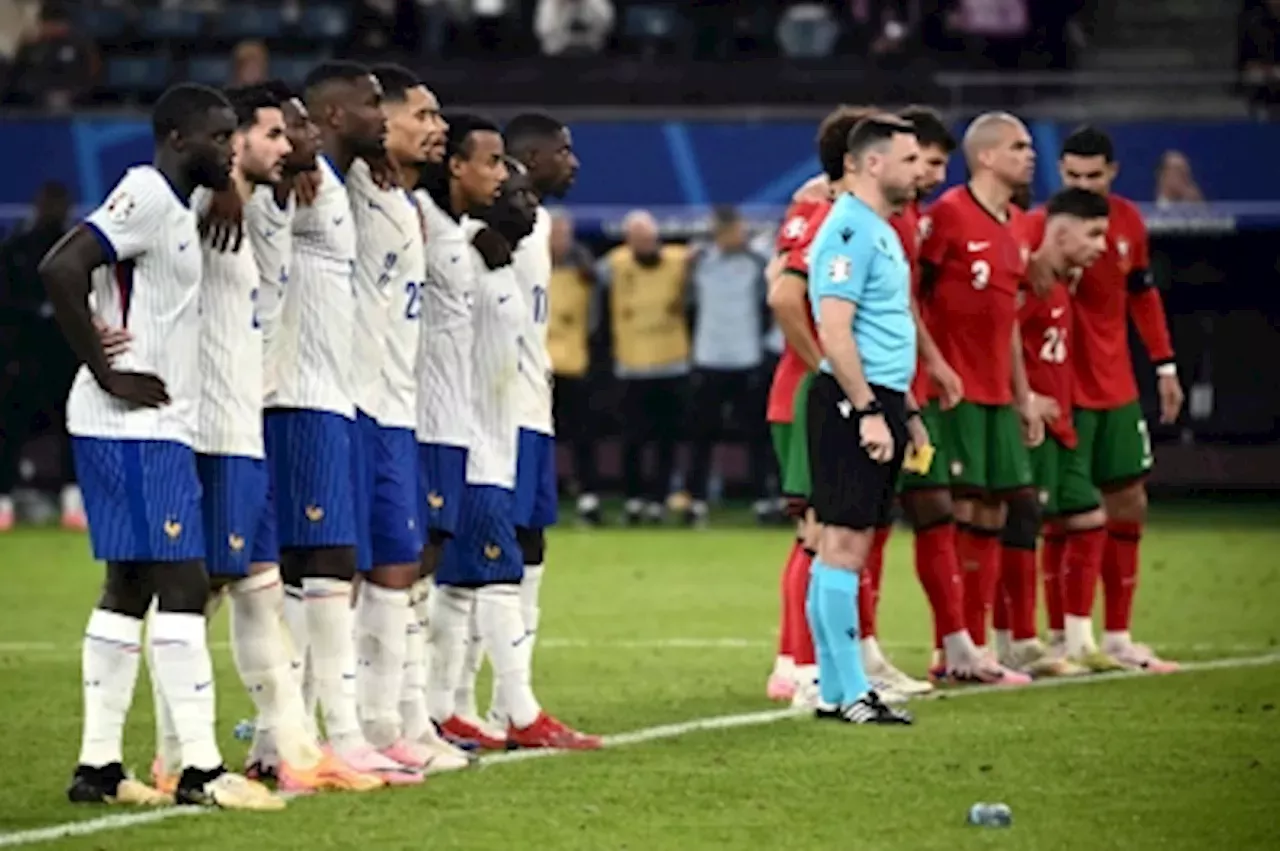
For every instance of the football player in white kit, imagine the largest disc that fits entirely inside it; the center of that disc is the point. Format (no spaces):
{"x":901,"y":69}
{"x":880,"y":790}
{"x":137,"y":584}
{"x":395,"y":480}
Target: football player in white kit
{"x":316,"y":461}
{"x":468,"y":179}
{"x":134,"y":427}
{"x":545,"y":147}
{"x":390,"y":267}
{"x":239,"y":517}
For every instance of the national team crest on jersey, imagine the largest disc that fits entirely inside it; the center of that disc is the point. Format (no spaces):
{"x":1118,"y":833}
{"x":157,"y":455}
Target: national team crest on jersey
{"x":120,"y":206}
{"x":794,"y":228}
{"x":1122,"y":249}
{"x":924,"y":228}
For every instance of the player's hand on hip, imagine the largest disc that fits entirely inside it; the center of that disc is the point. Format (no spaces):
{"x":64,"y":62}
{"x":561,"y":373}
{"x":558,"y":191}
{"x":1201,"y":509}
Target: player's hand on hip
{"x":222,"y":225}
{"x":115,"y":341}
{"x":950,"y":387}
{"x":1171,"y":398}
{"x":1047,"y":408}
{"x":876,"y":438}
{"x":137,"y":388}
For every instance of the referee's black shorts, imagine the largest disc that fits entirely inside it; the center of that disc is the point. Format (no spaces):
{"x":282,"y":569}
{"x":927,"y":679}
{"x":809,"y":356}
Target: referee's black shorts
{"x":849,"y":489}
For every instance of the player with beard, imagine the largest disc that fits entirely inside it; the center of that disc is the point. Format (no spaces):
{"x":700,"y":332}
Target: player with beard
{"x":239,"y":518}
{"x":861,"y":420}
{"x":795,"y":673}
{"x":389,"y":269}
{"x":1113,"y":434}
{"x":973,"y":260}
{"x":135,"y":424}
{"x":311,"y":441}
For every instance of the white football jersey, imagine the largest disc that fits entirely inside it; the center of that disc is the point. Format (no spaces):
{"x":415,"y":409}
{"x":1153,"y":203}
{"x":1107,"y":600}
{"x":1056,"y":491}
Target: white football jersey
{"x":230,"y":349}
{"x":499,"y":313}
{"x":533,"y":272}
{"x":444,"y":351}
{"x":152,"y":288}
{"x":269,"y":230}
{"x":390,"y":266}
{"x":317,"y":327}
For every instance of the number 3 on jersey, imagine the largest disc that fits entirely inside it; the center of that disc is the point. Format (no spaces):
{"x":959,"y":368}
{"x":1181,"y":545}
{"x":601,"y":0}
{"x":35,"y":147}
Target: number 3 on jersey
{"x":413,"y":300}
{"x":981,"y":271}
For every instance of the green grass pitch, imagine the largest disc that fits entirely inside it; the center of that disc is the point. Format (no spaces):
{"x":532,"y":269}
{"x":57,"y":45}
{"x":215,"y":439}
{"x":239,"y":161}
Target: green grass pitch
{"x":648,"y":628}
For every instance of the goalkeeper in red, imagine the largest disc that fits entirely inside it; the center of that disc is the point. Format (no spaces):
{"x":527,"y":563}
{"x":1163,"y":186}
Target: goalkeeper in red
{"x":1113,"y":436}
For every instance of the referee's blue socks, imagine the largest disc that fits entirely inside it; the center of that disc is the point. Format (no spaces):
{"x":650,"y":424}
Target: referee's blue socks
{"x":837,"y":639}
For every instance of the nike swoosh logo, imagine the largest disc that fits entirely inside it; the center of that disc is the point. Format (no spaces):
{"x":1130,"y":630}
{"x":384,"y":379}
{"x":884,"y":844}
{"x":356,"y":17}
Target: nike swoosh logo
{"x":339,"y":220}
{"x":1056,"y":312}
{"x":503,"y":299}
{"x":204,"y":685}
{"x":979,"y":246}
{"x":182,"y":246}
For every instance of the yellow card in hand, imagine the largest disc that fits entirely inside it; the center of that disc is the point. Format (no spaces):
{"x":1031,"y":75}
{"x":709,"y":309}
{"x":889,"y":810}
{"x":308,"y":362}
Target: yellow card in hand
{"x":918,"y":459}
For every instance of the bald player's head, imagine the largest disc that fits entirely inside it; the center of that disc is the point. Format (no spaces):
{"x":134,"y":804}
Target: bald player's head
{"x":998,"y":143}
{"x":640,"y":230}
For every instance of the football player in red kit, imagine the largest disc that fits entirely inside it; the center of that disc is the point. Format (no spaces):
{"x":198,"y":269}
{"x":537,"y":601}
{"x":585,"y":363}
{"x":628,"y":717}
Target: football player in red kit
{"x":1113,"y":437}
{"x":973,"y":261}
{"x":1070,"y":235}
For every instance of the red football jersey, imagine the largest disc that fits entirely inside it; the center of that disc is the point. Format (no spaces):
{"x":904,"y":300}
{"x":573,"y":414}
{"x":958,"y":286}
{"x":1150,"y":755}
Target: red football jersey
{"x":907,"y":226}
{"x":1102,"y":362}
{"x":794,"y":237}
{"x":981,"y":262}
{"x":1046,"y":324}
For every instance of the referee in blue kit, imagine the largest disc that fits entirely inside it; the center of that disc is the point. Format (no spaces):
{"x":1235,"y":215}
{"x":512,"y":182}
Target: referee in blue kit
{"x":859,"y":423}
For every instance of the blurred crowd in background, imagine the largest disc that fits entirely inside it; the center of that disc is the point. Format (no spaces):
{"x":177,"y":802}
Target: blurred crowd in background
{"x":59,"y":53}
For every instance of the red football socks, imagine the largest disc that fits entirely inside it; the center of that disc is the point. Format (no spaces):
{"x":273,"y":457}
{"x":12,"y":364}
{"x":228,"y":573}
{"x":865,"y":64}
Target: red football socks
{"x":1053,"y":550}
{"x":785,"y":627}
{"x":1018,"y":576}
{"x":979,"y":551}
{"x":1081,"y":566}
{"x":869,"y":582}
{"x":938,"y":568}
{"x":797,"y":592}
{"x":1120,"y":573}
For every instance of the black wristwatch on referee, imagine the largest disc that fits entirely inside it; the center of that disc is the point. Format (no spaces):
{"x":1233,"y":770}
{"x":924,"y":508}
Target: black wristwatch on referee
{"x":873,"y":407}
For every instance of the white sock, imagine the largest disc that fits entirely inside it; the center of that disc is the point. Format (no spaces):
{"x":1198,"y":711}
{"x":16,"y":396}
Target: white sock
{"x":871,"y":655}
{"x":1079,"y":635}
{"x":331,"y":631}
{"x":959,"y":651}
{"x":168,"y":747}
{"x":260,"y":647}
{"x":1114,"y":642}
{"x":72,"y":502}
{"x":503,"y":632}
{"x":414,"y":718}
{"x":109,"y":662}
{"x":382,"y":618}
{"x":1004,"y":642}
{"x":448,"y":624}
{"x":185,"y":672}
{"x":464,"y":695}
{"x":806,"y":675}
{"x":299,"y":650}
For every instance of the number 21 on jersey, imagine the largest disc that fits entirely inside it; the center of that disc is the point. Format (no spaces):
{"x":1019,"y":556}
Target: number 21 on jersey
{"x":413,"y":299}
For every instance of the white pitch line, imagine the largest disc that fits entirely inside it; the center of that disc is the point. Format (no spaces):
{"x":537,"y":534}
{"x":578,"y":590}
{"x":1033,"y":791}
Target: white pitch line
{"x":34,"y":648}
{"x":647,"y":734}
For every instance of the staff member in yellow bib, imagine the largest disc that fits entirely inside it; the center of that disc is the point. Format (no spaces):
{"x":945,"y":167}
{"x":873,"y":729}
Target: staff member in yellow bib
{"x":643,"y":284}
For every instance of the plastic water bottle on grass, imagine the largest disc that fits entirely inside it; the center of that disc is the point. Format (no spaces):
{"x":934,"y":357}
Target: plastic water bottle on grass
{"x":990,"y":815}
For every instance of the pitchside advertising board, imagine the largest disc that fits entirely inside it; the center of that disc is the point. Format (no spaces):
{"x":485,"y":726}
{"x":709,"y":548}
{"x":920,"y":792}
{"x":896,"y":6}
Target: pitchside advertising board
{"x":679,"y":170}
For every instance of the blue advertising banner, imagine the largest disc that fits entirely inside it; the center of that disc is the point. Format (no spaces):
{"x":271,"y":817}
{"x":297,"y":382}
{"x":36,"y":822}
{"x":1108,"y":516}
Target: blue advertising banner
{"x":678,"y":168}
